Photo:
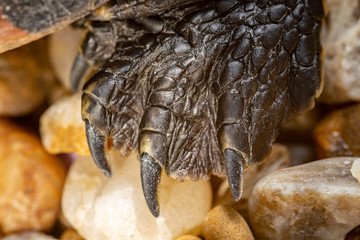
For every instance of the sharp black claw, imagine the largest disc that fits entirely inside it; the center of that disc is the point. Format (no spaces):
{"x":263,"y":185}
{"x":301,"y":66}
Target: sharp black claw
{"x":80,"y":70}
{"x":234,"y":169}
{"x":150,"y":179}
{"x":97,"y":145}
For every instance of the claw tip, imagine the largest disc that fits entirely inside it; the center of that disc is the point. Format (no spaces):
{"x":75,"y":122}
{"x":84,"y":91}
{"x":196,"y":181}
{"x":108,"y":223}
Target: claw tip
{"x":107,"y":172}
{"x":150,"y":178}
{"x":234,"y":169}
{"x":155,"y":211}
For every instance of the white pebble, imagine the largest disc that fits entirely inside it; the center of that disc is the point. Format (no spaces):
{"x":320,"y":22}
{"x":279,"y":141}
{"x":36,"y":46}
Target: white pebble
{"x":114,"y":208}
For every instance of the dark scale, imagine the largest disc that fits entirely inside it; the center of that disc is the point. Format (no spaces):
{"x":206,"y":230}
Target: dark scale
{"x":197,"y":87}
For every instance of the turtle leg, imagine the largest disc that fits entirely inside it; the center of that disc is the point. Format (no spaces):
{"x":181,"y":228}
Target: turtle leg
{"x":208,"y":95}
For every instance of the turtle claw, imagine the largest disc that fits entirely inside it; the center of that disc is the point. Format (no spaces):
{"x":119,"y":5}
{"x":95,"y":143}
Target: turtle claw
{"x":81,"y":69}
{"x":234,"y":170}
{"x":97,"y":145}
{"x":150,"y":180}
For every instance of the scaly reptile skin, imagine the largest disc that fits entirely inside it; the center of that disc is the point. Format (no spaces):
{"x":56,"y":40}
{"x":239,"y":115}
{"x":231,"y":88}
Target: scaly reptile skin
{"x":198,"y":87}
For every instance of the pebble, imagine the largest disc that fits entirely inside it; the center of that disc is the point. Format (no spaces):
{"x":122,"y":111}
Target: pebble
{"x":279,"y":158}
{"x":61,"y":128}
{"x":338,"y":133}
{"x":25,"y":79}
{"x":29,"y":236}
{"x":224,"y":223}
{"x":317,"y":200}
{"x":114,"y":208}
{"x":63,"y":47}
{"x":341,"y":43}
{"x":32,"y":200}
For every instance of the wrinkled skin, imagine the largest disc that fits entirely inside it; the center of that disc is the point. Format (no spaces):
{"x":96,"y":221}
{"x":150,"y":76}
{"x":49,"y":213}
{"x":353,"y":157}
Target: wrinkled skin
{"x":198,"y":87}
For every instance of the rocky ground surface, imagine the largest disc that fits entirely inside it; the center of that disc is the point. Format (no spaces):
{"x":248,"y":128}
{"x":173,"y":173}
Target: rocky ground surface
{"x":308,"y":188}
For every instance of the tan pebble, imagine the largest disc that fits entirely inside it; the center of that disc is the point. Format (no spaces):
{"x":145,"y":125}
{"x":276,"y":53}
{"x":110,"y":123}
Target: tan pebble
{"x":225,"y":223}
{"x":337,"y":135}
{"x":32,"y":200}
{"x":25,"y":79}
{"x":70,"y":234}
{"x":61,"y":128}
{"x":341,"y":41}
{"x":188,"y":237}
{"x":317,"y":200}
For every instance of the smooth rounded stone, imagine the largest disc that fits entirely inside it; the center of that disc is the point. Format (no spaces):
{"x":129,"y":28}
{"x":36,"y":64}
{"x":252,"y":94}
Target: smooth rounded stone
{"x":188,"y":237}
{"x":63,"y":47}
{"x":70,"y":234}
{"x":28,"y":236}
{"x":224,"y":223}
{"x":31,"y":182}
{"x":32,"y":200}
{"x":25,"y":79}
{"x":114,"y":208}
{"x":341,"y":43}
{"x":338,"y":133}
{"x":317,"y":200}
{"x":279,"y":158}
{"x":61,"y":128}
